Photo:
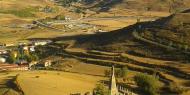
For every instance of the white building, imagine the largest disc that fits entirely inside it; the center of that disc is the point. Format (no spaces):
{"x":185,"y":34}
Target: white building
{"x":41,"y":42}
{"x":9,"y":44}
{"x":67,"y":18}
{"x":5,"y":66}
{"x":25,"y":48}
{"x":32,"y":48}
{"x":2,"y":60}
{"x":3,"y":52}
{"x":47,"y":63}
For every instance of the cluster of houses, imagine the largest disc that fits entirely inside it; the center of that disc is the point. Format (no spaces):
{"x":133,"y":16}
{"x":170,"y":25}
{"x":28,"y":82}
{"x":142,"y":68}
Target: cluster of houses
{"x":22,"y":64}
{"x":5,"y":66}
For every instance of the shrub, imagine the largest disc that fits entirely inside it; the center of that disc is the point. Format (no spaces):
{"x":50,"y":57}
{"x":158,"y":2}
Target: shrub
{"x":66,"y":3}
{"x":78,"y":10}
{"x":32,"y":57}
{"x":12,"y":58}
{"x":119,"y":72}
{"x":87,"y":93}
{"x":148,"y":84}
{"x":100,"y":89}
{"x":124,"y":72}
{"x":60,"y":17}
{"x":37,"y":76}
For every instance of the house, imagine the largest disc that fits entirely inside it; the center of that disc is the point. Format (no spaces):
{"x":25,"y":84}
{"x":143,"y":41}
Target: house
{"x":5,"y":66}
{"x":12,"y":67}
{"x":9,"y":44}
{"x":67,"y":18}
{"x":41,"y":42}
{"x":47,"y":63}
{"x":3,"y":51}
{"x":21,"y":62}
{"x":100,"y":31}
{"x":2,"y":59}
{"x":31,"y":48}
{"x":21,"y":43}
{"x":44,"y":63}
{"x":25,"y":48}
{"x":23,"y":67}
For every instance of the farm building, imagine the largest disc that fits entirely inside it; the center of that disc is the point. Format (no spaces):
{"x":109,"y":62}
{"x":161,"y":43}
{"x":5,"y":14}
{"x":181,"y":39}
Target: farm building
{"x":5,"y":66}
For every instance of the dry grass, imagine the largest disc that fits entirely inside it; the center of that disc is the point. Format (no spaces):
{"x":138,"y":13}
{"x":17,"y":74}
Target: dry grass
{"x":113,"y":24}
{"x":50,"y":82}
{"x":148,"y":61}
{"x":120,"y":23}
{"x":56,"y":83}
{"x":131,"y":12}
{"x":73,"y":65}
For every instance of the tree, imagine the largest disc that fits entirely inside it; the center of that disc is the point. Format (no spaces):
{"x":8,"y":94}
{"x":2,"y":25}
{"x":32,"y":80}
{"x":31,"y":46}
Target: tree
{"x":60,"y":17}
{"x":32,"y":57}
{"x":119,"y":72}
{"x":101,"y":90}
{"x":170,"y":43}
{"x":78,"y":10}
{"x":124,"y":72}
{"x":186,"y":47}
{"x":148,"y":83}
{"x":12,"y":57}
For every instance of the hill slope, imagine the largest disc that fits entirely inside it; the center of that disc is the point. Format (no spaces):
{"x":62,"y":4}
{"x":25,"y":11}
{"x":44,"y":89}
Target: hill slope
{"x":149,"y":5}
{"x":166,"y":38}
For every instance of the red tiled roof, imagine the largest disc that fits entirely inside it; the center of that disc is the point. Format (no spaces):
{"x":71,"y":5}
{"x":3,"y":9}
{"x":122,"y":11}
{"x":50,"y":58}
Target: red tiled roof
{"x":5,"y":66}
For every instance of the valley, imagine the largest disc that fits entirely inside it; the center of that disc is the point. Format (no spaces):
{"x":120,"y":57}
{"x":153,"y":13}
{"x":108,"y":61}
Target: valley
{"x":71,"y":47}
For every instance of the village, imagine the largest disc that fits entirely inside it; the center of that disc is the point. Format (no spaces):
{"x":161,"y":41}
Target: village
{"x":12,"y":57}
{"x":94,"y":47}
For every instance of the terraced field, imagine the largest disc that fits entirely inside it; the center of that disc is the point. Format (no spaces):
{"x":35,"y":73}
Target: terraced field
{"x":168,"y":71}
{"x":125,"y":47}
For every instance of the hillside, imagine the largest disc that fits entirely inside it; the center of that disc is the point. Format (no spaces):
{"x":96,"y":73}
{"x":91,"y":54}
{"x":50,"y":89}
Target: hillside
{"x":16,"y":17}
{"x":160,"y":46}
{"x":165,"y":38}
{"x":157,"y":5}
{"x":70,"y":45}
{"x":148,"y":5}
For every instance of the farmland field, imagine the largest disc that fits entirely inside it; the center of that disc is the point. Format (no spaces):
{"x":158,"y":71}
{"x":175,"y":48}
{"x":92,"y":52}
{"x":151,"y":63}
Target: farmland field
{"x":58,"y":83}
